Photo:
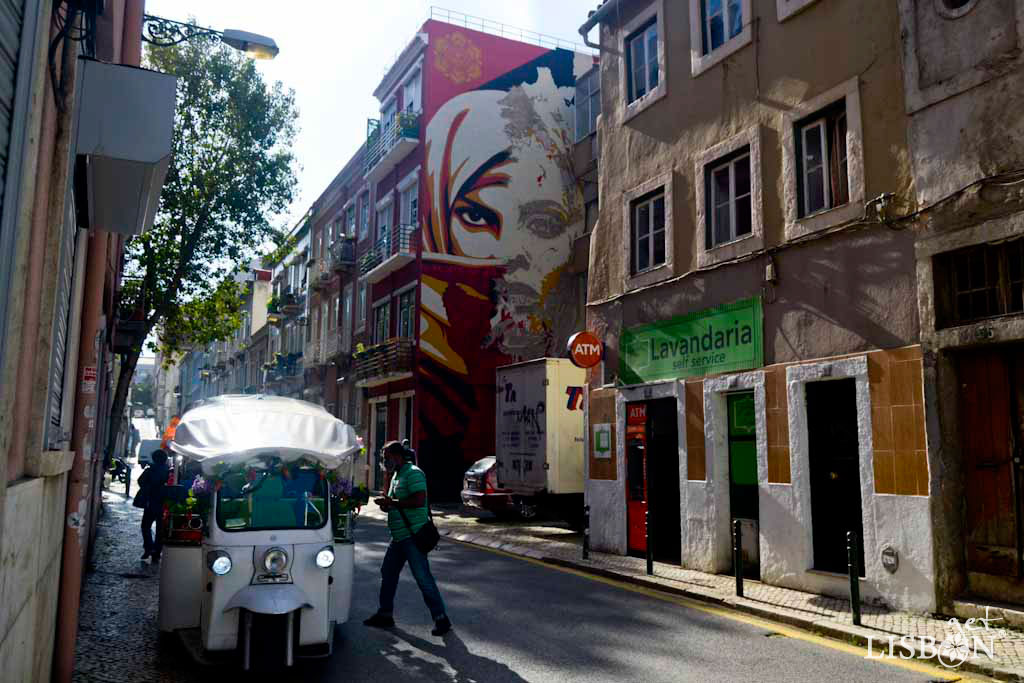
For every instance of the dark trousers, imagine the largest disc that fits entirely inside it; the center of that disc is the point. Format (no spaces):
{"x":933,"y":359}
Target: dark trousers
{"x":400,"y":552}
{"x":153,"y":547}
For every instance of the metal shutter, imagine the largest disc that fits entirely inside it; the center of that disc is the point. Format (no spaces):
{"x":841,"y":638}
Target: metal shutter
{"x":58,"y":425}
{"x":19,"y":20}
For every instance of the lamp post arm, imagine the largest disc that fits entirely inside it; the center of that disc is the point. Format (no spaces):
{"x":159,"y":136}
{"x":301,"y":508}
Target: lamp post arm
{"x":164,"y":32}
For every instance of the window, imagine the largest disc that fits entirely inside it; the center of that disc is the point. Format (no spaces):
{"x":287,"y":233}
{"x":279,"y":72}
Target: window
{"x":350,"y":220}
{"x":588,"y":103}
{"x":979,"y":282}
{"x":387,"y":116}
{"x":407,"y":314}
{"x":346,"y":318}
{"x":648,"y":229}
{"x":411,"y":93}
{"x":333,"y":313}
{"x":325,"y":319}
{"x":722,"y":21}
{"x":823,"y":161}
{"x":383,"y":223}
{"x":642,"y":59}
{"x":361,"y":307}
{"x":410,"y":205}
{"x":381,"y":322}
{"x":729,"y":198}
{"x":364,"y":215}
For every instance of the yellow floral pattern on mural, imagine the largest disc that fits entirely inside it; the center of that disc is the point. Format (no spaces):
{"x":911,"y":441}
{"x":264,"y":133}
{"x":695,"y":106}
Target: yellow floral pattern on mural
{"x":458,"y":58}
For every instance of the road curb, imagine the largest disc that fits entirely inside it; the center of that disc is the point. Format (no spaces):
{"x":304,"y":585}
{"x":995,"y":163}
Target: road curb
{"x":856,"y":635}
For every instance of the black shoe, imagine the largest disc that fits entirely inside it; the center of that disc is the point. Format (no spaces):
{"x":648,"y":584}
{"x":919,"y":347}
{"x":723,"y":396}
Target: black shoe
{"x":154,"y":558}
{"x":379,"y":620}
{"x":441,"y":626}
{"x":145,"y":556}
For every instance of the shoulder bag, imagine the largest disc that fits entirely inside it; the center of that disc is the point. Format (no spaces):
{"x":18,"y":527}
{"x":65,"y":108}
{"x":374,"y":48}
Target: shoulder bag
{"x":427,"y":537}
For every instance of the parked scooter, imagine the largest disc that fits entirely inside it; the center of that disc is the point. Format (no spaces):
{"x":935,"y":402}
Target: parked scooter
{"x":121,"y":471}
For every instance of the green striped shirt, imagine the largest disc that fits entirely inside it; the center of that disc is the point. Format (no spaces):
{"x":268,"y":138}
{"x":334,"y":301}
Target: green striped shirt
{"x":407,"y":481}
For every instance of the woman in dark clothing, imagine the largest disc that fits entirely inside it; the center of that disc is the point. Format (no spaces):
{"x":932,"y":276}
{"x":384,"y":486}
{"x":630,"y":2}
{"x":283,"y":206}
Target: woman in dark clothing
{"x":151,"y":486}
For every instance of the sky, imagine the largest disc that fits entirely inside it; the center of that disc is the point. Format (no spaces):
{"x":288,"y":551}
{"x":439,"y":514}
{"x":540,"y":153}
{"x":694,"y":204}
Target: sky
{"x":335,"y":52}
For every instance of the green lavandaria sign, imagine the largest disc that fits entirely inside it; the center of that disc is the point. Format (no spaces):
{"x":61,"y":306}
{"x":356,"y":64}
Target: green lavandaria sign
{"x":722,"y":339}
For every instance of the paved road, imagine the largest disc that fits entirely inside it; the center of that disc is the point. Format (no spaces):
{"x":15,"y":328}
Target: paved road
{"x":514,"y":621}
{"x":518,"y":621}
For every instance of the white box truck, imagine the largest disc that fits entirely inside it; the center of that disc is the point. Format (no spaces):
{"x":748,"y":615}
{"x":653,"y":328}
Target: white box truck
{"x":539,"y":436}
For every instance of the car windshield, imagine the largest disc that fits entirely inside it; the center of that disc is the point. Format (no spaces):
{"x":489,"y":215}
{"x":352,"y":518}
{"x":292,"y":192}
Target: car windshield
{"x":271,"y":501}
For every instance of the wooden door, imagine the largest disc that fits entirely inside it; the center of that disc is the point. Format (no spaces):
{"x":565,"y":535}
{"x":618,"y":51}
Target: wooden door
{"x":988,"y":401}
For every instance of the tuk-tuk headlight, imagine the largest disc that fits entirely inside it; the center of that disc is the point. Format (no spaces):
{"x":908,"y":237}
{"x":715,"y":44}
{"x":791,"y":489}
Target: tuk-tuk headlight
{"x":219,"y":562}
{"x":275,"y":561}
{"x":325,"y":558}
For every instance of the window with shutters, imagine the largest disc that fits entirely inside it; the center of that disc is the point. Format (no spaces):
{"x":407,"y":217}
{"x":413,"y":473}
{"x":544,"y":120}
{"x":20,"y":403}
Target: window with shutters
{"x":407,"y":314}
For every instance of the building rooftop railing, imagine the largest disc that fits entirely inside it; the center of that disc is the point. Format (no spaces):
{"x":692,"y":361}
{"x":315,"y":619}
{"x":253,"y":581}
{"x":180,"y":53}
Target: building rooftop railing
{"x":496,"y":28}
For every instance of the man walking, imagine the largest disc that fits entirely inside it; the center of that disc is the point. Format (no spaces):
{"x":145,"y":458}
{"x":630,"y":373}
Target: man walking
{"x":151,"y":488}
{"x":406,"y":505}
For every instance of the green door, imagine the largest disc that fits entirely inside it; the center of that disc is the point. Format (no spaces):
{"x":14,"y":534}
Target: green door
{"x":743,"y":500}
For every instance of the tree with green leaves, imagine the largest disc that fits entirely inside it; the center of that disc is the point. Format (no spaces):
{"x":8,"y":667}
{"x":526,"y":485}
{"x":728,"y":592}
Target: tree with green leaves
{"x":232,"y":168}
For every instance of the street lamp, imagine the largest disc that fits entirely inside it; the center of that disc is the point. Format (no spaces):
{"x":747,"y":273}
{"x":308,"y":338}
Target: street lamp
{"x":163,"y":32}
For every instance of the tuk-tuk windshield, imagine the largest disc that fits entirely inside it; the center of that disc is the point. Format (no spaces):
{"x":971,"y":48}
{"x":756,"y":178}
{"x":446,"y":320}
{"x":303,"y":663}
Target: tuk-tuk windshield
{"x":271,"y":501}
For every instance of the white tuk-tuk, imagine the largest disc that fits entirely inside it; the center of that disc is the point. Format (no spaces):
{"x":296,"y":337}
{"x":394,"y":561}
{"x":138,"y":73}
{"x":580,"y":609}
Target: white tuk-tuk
{"x":258,"y":555}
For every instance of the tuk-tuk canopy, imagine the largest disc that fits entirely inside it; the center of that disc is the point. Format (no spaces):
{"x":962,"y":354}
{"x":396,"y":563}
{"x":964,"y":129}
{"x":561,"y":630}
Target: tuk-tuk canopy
{"x":234,"y":429}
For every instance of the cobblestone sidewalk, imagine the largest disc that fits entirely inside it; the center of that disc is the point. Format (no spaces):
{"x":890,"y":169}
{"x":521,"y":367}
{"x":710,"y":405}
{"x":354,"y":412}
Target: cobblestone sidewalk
{"x":557,"y":544}
{"x":117,"y":622}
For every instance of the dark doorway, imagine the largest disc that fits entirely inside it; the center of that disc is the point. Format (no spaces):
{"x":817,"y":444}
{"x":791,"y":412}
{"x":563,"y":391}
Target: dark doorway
{"x":992,"y":436}
{"x":835,"y":472}
{"x":380,"y":437}
{"x":743,"y":492}
{"x":663,"y":479}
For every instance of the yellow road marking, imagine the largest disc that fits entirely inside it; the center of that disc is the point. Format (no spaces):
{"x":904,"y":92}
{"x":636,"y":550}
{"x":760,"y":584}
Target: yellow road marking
{"x":733,"y":615}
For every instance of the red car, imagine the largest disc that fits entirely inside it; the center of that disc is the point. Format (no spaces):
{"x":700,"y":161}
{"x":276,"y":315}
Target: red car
{"x":480,"y":489}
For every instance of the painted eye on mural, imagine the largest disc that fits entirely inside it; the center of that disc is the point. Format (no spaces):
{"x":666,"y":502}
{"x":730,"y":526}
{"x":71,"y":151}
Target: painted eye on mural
{"x":476,"y":216}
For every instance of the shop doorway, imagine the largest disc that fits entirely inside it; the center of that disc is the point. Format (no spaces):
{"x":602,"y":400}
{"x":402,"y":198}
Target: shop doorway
{"x":992,"y":436}
{"x":743,"y":491}
{"x":834,"y":451}
{"x":380,"y":437}
{"x":652,"y":478}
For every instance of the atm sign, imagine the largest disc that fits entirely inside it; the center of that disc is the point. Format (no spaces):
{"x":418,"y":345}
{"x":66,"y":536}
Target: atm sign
{"x":585,"y":350}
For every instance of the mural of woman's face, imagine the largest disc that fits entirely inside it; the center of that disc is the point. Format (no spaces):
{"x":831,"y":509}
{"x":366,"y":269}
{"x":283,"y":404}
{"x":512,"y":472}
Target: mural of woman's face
{"x":501,"y":191}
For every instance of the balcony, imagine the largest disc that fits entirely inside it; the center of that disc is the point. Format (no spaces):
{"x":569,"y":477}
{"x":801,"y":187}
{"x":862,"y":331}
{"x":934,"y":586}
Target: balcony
{"x":394,"y":251}
{"x":343,"y":254}
{"x":331,"y":345}
{"x":319,"y":274}
{"x":311,"y":356}
{"x":383,"y":363}
{"x":389,"y":143}
{"x":292,"y":303}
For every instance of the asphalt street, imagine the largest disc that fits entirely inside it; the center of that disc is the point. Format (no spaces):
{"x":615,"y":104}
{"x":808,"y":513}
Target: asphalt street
{"x":520,"y":621}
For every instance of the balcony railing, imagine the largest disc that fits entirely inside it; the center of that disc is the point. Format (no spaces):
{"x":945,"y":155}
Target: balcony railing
{"x":384,"y":362}
{"x":343,"y":254}
{"x":387,"y":143}
{"x":394,"y":250}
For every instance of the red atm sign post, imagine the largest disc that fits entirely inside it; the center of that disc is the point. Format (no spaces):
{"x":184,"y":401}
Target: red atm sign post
{"x":585,"y":349}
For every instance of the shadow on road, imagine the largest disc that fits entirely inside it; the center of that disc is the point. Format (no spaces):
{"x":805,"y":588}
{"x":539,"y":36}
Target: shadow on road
{"x":451,"y":661}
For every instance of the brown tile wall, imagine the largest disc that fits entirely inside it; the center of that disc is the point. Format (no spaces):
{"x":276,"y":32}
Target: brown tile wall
{"x":897,"y":421}
{"x":696,"y":463}
{"x":777,"y":414}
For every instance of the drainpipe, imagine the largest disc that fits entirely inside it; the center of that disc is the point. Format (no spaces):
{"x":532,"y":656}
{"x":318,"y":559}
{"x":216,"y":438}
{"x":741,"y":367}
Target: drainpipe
{"x":595,"y":18}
